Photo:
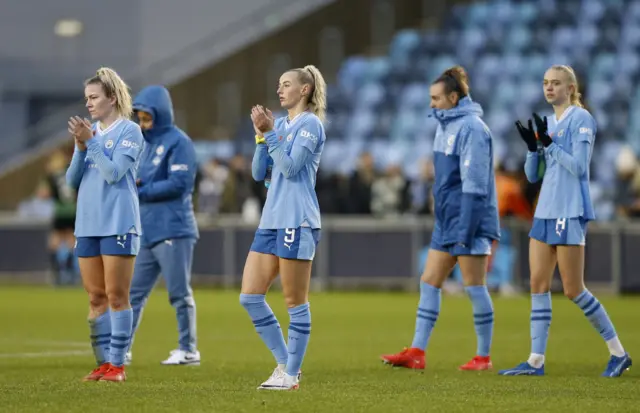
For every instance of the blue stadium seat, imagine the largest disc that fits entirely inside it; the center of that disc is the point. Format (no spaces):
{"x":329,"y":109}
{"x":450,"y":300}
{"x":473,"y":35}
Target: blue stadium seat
{"x":506,"y":46}
{"x":404,"y":45}
{"x":371,"y":94}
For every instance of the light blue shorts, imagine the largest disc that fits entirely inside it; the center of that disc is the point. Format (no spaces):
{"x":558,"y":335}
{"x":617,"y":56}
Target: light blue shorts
{"x":290,"y":243}
{"x":562,"y":231}
{"x":128,"y":244}
{"x":479,"y":246}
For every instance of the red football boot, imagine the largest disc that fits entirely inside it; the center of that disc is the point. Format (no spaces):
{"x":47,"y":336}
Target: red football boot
{"x":97,"y":373}
{"x":410,"y":358}
{"x":114,"y":374}
{"x":478,"y":363}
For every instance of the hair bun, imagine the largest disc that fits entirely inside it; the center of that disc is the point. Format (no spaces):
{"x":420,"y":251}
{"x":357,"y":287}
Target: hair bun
{"x":458,"y":73}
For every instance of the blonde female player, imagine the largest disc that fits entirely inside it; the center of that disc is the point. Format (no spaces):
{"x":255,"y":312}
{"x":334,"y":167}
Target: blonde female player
{"x":289,"y":229}
{"x":103,"y":170}
{"x":560,"y":222}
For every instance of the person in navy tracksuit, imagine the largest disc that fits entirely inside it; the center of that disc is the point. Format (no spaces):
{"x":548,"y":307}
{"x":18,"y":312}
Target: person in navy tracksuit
{"x":166,"y":175}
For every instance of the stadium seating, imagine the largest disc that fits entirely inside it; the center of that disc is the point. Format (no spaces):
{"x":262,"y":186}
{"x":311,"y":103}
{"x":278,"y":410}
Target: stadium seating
{"x":380,"y":104}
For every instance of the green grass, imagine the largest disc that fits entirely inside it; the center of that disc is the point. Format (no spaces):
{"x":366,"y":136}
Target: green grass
{"x":342,"y":372}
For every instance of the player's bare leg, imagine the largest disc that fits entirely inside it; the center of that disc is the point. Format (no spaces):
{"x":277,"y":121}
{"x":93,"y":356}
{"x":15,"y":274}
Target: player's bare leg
{"x":438,"y":267}
{"x":260,"y":270}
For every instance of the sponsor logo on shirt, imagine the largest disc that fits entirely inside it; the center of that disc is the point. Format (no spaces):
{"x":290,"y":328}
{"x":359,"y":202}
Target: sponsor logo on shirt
{"x":179,"y":167}
{"x":128,"y":144}
{"x":306,"y":134}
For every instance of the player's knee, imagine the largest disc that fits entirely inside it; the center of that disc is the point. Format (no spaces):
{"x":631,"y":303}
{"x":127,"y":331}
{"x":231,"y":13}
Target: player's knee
{"x":539,"y":285}
{"x":118,"y":299}
{"x":572,"y":292}
{"x":433,"y":279}
{"x":98,"y":301}
{"x":295,"y":299}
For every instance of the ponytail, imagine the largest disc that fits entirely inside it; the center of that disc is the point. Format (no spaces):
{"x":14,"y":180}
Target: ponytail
{"x":113,"y":86}
{"x":455,"y":79}
{"x":576,"y":96}
{"x":310,"y":75}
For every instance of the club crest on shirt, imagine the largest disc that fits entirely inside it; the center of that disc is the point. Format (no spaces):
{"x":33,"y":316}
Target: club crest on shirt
{"x":160,"y":150}
{"x":108,"y":144}
{"x":289,"y":137}
{"x":451,"y":140}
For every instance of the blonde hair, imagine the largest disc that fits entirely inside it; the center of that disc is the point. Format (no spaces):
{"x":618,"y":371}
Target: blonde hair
{"x":113,"y":86}
{"x":310,"y":75}
{"x":576,"y":96}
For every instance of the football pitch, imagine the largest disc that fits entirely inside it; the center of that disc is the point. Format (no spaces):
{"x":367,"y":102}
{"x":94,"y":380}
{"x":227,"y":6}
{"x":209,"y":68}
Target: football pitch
{"x":44,"y":353}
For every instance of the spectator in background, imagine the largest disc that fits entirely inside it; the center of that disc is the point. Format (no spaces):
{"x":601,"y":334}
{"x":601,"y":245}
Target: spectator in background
{"x":360,"y":184}
{"x":390,"y":193}
{"x":422,"y":189}
{"x":628,"y":184}
{"x":211,"y":186}
{"x":238,"y":188}
{"x":39,"y":206}
{"x":61,"y":238}
{"x":512,"y":202}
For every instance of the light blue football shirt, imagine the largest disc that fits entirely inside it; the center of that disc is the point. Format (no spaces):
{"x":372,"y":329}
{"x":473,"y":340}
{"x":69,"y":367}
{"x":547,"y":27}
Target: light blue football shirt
{"x":105,"y":177}
{"x":565,"y":186}
{"x":296,"y":148}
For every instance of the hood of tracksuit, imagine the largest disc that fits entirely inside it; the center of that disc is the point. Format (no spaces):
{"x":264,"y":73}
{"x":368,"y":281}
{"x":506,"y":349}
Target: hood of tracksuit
{"x":465,"y":107}
{"x":156,"y":101}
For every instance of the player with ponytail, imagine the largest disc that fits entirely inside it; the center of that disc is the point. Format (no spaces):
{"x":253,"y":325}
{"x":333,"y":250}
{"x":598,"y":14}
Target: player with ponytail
{"x":289,"y":229}
{"x":107,"y":229}
{"x":466,"y":222}
{"x":558,"y":234}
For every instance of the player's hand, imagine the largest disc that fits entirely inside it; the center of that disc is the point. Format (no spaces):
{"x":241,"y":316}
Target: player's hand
{"x":542,"y":127}
{"x":256,"y":129}
{"x":262,"y":119}
{"x":80,"y":128}
{"x":528,"y":135}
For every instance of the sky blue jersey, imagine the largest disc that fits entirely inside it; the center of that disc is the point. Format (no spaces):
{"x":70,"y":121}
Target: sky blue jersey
{"x":105,"y":177}
{"x":565,"y":185}
{"x":295,"y":147}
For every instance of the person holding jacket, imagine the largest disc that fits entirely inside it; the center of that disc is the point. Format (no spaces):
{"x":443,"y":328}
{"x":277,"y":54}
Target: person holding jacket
{"x":166,"y":182}
{"x":466,"y":213}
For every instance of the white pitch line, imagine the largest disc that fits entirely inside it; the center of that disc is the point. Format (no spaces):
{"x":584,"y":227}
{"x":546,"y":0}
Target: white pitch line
{"x":47,"y":343}
{"x":85,"y":344}
{"x":46,"y":354}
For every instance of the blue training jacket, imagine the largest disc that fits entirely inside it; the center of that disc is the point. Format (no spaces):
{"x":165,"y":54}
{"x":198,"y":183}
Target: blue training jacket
{"x":465,"y":190}
{"x":167,"y":172}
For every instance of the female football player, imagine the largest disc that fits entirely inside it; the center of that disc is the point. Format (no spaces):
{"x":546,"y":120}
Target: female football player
{"x":562,"y":214}
{"x":103,"y":171}
{"x":289,"y":229}
{"x":466,"y":221}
